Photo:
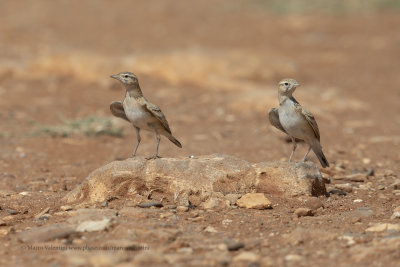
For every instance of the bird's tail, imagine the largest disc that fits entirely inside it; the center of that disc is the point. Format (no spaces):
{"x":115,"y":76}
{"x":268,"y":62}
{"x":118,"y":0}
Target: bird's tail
{"x":174,"y":140}
{"x":316,"y":147}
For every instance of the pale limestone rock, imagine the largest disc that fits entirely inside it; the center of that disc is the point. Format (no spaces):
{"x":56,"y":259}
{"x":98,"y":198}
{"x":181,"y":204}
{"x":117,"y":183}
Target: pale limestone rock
{"x":254,"y":201}
{"x":195,"y":180}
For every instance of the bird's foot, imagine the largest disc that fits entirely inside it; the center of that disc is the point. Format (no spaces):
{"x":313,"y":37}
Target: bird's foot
{"x":154,"y":157}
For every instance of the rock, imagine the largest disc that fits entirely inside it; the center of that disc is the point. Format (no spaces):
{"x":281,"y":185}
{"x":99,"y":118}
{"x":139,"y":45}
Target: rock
{"x":314,"y":203}
{"x":210,"y":229}
{"x":151,"y":204}
{"x":396,"y":184}
{"x":12,"y":212}
{"x":345,"y":187}
{"x":2,"y":223}
{"x":177,"y":179}
{"x":380,"y":227}
{"x":357,"y":200}
{"x":293,"y":257}
{"x":395,"y":215}
{"x":289,"y":179}
{"x":182,"y":208}
{"x":337,"y":192}
{"x":92,"y":226}
{"x":246,"y":256}
{"x":233,"y":245}
{"x":226,"y":222}
{"x":82,"y":215}
{"x":357,"y":177}
{"x":254,"y":201}
{"x":214,"y":203}
{"x":300,"y":212}
{"x":46,"y":233}
{"x":232,"y":198}
{"x":8,"y":218}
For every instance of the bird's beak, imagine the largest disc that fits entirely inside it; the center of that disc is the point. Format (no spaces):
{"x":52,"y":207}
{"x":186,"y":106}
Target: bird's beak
{"x":115,"y":76}
{"x":296,"y":84}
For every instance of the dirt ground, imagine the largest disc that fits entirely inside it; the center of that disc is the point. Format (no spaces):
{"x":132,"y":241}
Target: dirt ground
{"x":213,"y":68}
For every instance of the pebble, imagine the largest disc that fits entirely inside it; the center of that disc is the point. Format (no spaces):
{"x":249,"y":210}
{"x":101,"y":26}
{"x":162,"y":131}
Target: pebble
{"x":151,"y":204}
{"x":40,"y":214}
{"x":395,"y":215}
{"x":381,"y":187}
{"x":210,"y":229}
{"x":246,"y":256}
{"x":254,"y":201}
{"x":92,"y":226}
{"x":337,"y":192}
{"x":357,"y":200}
{"x":293,"y":257}
{"x":2,"y":223}
{"x":12,"y":212}
{"x":345,"y":187}
{"x":182,"y":208}
{"x":8,"y":218}
{"x":300,"y":212}
{"x":233,"y":245}
{"x":357,"y":177}
{"x":226,"y":222}
{"x":314,"y":203}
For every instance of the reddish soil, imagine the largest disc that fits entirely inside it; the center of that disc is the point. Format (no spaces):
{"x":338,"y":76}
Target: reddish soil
{"x":213,"y":68}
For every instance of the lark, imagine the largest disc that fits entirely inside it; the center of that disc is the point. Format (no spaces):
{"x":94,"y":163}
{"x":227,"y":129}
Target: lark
{"x":292,"y":119}
{"x":143,"y":115}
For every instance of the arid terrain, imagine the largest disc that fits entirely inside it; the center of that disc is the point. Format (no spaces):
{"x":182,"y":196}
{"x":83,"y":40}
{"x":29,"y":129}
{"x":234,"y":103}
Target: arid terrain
{"x":212,"y":67}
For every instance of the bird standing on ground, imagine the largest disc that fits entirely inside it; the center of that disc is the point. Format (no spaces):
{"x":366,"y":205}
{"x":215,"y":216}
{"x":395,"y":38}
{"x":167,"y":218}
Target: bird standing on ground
{"x":141,"y":113}
{"x":292,"y":119}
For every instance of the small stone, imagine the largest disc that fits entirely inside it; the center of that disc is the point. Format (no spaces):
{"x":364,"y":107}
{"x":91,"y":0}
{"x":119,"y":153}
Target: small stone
{"x":348,"y":238}
{"x":337,"y":192}
{"x":380,"y":227}
{"x":232,"y":198}
{"x":215,"y":203}
{"x":66,"y":208}
{"x":151,"y":204}
{"x":314,"y":203}
{"x":300,"y":212}
{"x":92,"y":226}
{"x":246,"y":256}
{"x":12,"y":212}
{"x":2,"y":223}
{"x":345,"y":187}
{"x":254,"y":201}
{"x":4,"y":231}
{"x":381,"y":187}
{"x":357,"y":200}
{"x":44,"y":217}
{"x":293,"y":257}
{"x":226,"y":222}
{"x":25,"y":193}
{"x":233,"y":245}
{"x":396,"y":184}
{"x":370,"y":172}
{"x":46,"y":233}
{"x":366,"y":160}
{"x":397,"y":209}
{"x":210,"y":229}
{"x":8,"y":218}
{"x":182,"y":208}
{"x":357,"y":177}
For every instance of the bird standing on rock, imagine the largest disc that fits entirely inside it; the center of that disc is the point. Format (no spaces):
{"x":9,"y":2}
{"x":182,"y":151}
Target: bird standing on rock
{"x":292,"y":119}
{"x":141,"y":113}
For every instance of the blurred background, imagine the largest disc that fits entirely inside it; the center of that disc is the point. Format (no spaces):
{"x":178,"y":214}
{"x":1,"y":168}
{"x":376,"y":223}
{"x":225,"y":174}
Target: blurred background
{"x":213,"y":68}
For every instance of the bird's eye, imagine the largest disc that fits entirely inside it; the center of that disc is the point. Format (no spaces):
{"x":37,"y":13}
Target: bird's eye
{"x":126,"y":76}
{"x":286,"y":84}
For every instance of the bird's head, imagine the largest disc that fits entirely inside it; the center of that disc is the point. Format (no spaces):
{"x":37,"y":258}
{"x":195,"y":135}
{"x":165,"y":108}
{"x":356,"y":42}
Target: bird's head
{"x":287,"y":86}
{"x":127,"y":78}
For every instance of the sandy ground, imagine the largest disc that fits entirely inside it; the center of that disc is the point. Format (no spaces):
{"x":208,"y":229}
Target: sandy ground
{"x":213,"y":67}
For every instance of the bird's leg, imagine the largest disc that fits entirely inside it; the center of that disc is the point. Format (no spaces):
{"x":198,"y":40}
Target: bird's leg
{"x":158,"y":144}
{"x":138,"y":140}
{"x":308,"y":151}
{"x":294,"y":148}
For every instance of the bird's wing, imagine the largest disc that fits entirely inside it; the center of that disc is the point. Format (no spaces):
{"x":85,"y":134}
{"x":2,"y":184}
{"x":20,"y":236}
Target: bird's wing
{"x":311,"y":121}
{"x":274,"y":119}
{"x":117,"y":109}
{"x":156,"y":112}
